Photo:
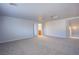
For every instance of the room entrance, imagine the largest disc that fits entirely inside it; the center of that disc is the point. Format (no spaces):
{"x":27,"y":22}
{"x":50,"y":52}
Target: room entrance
{"x":40,"y":30}
{"x":74,"y":28}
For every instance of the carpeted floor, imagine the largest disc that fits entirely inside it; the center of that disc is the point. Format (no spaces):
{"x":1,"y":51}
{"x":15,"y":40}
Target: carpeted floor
{"x":41,"y":46}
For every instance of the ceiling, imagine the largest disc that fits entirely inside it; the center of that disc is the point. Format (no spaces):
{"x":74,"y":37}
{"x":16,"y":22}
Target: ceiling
{"x":48,"y":11}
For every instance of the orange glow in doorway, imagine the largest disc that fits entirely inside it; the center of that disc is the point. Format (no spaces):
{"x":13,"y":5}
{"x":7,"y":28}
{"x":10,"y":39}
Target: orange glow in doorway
{"x":40,"y":34}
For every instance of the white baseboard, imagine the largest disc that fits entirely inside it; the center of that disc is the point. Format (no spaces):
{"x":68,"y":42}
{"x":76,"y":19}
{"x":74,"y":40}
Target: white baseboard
{"x":57,"y":36}
{"x":74,"y":37}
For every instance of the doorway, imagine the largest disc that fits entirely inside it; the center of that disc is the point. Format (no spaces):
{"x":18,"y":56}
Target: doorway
{"x":40,"y":30}
{"x":74,"y":28}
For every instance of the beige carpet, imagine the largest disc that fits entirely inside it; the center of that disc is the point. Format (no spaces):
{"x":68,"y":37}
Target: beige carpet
{"x":41,"y":46}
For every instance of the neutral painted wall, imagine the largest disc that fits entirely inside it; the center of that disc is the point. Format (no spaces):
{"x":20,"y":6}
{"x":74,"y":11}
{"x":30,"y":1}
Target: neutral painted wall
{"x":15,"y":29}
{"x":0,"y":28}
{"x":36,"y":29}
{"x":55,"y":28}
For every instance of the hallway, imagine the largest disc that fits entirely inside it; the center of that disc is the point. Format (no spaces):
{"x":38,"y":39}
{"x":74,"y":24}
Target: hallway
{"x":41,"y":46}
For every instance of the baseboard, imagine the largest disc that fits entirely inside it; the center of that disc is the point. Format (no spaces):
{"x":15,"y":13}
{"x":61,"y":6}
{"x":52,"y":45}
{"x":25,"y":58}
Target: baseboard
{"x":17,"y":39}
{"x":57,"y":37}
{"x":62,"y":37}
{"x":74,"y":37}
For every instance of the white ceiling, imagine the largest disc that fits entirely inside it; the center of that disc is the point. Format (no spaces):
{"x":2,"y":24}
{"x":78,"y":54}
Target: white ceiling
{"x":32,"y":11}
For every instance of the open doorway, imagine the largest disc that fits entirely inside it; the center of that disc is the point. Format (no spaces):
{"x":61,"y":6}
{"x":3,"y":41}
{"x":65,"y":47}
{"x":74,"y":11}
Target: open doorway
{"x":40,"y":30}
{"x":74,"y":28}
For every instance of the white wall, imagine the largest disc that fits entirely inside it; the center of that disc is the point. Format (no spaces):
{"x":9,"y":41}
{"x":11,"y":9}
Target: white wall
{"x":15,"y":29}
{"x":36,"y":29}
{"x":56,"y":28}
{"x":0,"y":28}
